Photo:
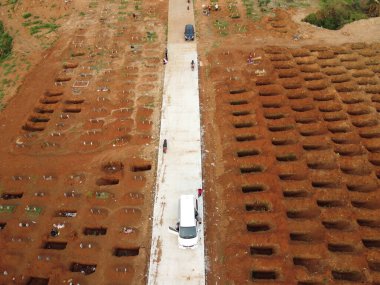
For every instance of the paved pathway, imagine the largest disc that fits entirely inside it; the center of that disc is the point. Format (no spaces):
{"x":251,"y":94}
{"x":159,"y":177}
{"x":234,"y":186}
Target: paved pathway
{"x":179,"y":171}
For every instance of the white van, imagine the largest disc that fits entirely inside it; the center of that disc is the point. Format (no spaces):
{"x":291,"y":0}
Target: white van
{"x":187,"y":226}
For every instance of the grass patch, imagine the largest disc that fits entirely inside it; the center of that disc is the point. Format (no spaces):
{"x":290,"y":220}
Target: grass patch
{"x":233,"y":9}
{"x":334,"y":14}
{"x":37,"y":26}
{"x":239,"y":29}
{"x":6,"y":43}
{"x":50,"y":27}
{"x":151,"y":36}
{"x":33,"y":210}
{"x":27,"y":15}
{"x":222,"y":27}
{"x":7,"y":208}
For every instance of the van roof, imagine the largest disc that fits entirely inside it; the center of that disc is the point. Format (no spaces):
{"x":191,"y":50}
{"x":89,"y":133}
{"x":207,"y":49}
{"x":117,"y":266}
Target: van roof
{"x":187,"y":211}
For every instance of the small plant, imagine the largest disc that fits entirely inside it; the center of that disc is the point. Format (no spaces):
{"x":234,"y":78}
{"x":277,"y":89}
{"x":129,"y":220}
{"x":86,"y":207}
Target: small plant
{"x":27,"y":15}
{"x":151,"y":36}
{"x":82,"y":13}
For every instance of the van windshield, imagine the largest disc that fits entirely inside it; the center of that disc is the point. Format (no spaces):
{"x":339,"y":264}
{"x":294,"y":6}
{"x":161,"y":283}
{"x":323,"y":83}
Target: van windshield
{"x":187,"y":232}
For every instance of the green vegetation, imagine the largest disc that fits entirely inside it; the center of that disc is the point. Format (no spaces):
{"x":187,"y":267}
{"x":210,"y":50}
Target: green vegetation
{"x":239,"y":29}
{"x":233,"y":9}
{"x":26,"y":15}
{"x":334,"y":14}
{"x":263,"y":3}
{"x":151,"y":36}
{"x":7,"y":208}
{"x":249,"y":8}
{"x":6,"y":43}
{"x":222,"y":27}
{"x":33,"y":210}
{"x":50,"y":27}
{"x":36,"y":26}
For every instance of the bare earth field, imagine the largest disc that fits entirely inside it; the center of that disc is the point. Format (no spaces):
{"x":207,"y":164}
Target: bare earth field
{"x":78,"y":149}
{"x":291,"y":145}
{"x":291,"y":149}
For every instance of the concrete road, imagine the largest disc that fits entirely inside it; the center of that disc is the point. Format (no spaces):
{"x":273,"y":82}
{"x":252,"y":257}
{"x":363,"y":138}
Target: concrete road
{"x":179,"y":171}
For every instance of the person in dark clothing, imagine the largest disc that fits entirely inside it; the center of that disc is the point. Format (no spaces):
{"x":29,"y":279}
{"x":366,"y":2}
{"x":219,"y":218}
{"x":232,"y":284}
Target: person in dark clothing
{"x":165,"y":146}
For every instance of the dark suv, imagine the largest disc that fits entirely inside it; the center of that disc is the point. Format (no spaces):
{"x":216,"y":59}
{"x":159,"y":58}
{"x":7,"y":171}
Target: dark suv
{"x":189,"y":32}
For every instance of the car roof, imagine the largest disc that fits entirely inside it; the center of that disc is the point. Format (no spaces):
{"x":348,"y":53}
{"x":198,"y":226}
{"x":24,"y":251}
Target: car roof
{"x":187,"y":208}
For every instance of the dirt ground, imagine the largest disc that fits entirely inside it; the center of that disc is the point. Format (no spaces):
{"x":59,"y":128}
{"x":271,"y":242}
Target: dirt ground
{"x":291,"y":148}
{"x":79,"y":144}
{"x":291,"y":145}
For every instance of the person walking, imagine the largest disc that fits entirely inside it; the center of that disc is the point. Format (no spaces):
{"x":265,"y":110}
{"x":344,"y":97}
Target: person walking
{"x":165,"y":146}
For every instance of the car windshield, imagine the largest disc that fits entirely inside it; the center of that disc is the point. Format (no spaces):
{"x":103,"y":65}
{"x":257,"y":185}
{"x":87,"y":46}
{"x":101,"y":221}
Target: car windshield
{"x":187,"y":232}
